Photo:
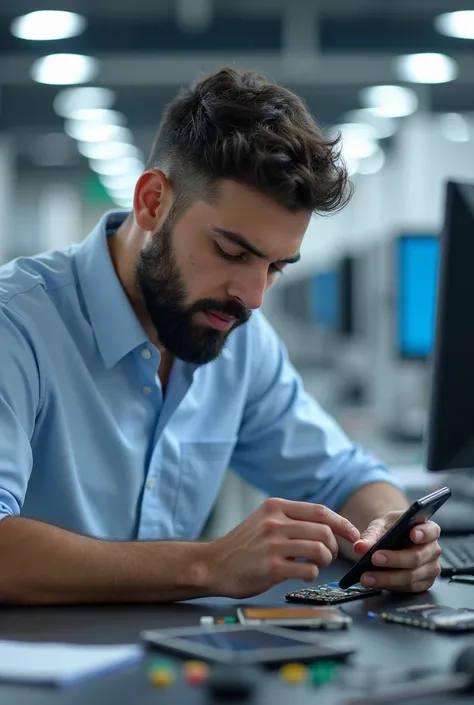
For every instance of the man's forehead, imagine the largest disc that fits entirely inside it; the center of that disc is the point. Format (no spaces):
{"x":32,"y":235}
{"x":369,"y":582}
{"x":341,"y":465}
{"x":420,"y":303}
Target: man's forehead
{"x":252,"y":210}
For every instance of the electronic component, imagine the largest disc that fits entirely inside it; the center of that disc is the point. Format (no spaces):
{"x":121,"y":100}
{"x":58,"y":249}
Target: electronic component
{"x":331,"y":594}
{"x":314,"y":617}
{"x":435,"y":617}
{"x":238,"y":644}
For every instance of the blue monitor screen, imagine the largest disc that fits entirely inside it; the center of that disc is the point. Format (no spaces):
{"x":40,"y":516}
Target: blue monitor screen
{"x":325,"y":303}
{"x":417,"y":281}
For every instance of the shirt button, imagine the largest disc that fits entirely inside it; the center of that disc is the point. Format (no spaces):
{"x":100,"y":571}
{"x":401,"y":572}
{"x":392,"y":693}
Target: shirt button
{"x":146,"y":390}
{"x":150,"y":484}
{"x":146,"y":354}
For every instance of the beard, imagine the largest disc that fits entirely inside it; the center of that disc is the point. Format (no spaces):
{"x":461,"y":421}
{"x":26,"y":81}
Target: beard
{"x":163,"y":291}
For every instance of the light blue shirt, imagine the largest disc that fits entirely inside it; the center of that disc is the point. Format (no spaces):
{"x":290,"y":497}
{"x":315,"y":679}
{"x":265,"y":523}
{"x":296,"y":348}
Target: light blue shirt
{"x":87,"y":441}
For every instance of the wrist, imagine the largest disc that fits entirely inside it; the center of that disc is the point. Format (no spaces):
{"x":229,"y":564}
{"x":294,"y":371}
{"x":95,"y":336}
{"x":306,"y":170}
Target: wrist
{"x":200,"y":573}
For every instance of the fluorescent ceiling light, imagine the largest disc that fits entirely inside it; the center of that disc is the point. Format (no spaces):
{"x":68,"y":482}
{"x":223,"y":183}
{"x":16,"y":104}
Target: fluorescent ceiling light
{"x":47,"y":25}
{"x":99,"y":115}
{"x":122,"y":192}
{"x":96,"y":132}
{"x":454,"y":127}
{"x":114,"y":167}
{"x":384,"y":127}
{"x":372,"y":164}
{"x":389,"y":101}
{"x":64,"y":69}
{"x":71,"y":100}
{"x":120,"y":182}
{"x":456,"y":24}
{"x":426,"y":68}
{"x":108,"y":150}
{"x":126,"y":203}
{"x":358,"y":140}
{"x":194,"y":15}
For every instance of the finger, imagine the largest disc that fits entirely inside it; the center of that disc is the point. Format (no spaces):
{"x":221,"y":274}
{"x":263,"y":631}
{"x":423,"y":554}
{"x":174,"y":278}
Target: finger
{"x":408,"y":558}
{"x":420,"y":586}
{"x":362,"y":546}
{"x":319,"y":514}
{"x":425,"y":533}
{"x":401,"y":579}
{"x":313,"y":551}
{"x":292,"y":570}
{"x":308,"y":531}
{"x":415,"y":588}
{"x":370,"y":536}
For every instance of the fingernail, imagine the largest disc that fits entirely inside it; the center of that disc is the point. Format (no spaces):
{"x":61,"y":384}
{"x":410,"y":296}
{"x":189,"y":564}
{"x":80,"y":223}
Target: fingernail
{"x":355,"y":534}
{"x":379,"y":559}
{"x":419,"y":535}
{"x":369,"y":581}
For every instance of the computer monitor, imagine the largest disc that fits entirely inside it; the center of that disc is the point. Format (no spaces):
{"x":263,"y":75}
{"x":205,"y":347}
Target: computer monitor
{"x":347,"y":296}
{"x":450,"y":432}
{"x":325,"y":300}
{"x":416,"y":269}
{"x":362,"y":283}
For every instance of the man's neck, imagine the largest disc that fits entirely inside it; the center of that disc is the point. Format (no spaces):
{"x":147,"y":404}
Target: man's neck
{"x":123,"y":253}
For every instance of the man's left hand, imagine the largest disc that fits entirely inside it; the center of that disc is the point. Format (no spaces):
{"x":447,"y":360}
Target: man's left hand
{"x":411,"y":569}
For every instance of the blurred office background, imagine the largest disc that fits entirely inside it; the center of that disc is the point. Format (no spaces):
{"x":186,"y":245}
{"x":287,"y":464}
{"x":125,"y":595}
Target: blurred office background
{"x":81,"y":96}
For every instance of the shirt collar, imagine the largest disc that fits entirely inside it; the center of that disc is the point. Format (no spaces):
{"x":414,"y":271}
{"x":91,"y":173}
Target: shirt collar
{"x":116,"y":327}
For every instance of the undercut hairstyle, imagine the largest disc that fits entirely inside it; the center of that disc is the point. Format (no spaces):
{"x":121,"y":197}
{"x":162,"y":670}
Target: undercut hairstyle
{"x":239,"y":126}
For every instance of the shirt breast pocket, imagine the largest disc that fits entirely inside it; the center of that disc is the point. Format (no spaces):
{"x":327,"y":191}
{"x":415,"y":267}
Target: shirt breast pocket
{"x":202,"y":469}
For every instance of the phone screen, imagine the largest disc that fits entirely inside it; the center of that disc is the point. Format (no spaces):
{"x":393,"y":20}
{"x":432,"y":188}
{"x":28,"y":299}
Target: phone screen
{"x":246,"y":640}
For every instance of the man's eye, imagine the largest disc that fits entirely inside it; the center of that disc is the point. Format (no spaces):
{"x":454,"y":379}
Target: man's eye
{"x":276,"y":269}
{"x":226,"y":255}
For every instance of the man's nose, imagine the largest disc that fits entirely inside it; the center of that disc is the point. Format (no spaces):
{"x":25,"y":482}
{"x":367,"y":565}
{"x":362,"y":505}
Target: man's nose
{"x":250,"y":288}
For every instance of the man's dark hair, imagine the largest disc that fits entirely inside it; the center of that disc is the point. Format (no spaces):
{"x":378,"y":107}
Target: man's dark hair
{"x":239,"y":126}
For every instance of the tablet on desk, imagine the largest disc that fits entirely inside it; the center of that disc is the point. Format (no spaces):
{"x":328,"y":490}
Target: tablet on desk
{"x":240,"y":644}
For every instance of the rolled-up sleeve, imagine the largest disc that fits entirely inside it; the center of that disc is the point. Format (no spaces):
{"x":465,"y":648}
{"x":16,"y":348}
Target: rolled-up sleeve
{"x":19,"y":406}
{"x":288,"y":445}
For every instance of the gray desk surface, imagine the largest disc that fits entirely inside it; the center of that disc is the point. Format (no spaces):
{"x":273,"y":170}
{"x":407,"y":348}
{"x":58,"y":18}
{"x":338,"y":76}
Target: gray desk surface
{"x":379,"y":646}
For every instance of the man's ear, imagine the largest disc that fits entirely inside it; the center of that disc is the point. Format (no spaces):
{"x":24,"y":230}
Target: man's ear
{"x":152,"y":200}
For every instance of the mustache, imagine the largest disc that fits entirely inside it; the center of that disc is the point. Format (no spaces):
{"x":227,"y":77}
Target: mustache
{"x":228,"y":308}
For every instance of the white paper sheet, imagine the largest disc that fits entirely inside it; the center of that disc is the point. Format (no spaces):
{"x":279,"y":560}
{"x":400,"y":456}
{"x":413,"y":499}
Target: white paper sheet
{"x":61,"y":664}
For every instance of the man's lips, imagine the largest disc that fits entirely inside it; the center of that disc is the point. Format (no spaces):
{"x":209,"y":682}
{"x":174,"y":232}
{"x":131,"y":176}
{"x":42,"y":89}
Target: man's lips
{"x":219,"y":320}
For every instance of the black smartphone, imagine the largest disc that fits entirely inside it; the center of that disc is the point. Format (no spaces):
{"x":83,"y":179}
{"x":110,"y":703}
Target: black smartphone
{"x":398,"y":536}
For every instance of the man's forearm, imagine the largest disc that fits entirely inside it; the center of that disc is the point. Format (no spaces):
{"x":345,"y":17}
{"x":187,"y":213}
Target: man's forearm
{"x":43,"y":564}
{"x":367,"y":503}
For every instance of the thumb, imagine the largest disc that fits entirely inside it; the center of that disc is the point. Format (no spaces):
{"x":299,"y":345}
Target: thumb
{"x":369,"y":537}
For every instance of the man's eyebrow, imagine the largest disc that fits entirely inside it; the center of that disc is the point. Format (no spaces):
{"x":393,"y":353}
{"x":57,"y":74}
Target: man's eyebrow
{"x":238,"y":239}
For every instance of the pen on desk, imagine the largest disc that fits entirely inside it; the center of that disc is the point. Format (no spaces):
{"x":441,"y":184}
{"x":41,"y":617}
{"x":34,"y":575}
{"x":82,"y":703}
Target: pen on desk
{"x":462,"y":579}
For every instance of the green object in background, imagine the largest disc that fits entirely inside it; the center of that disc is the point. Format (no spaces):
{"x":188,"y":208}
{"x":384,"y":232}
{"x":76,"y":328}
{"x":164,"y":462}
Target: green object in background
{"x":322,"y":672}
{"x":94,"y":191}
{"x":160,"y":663}
{"x":229,"y":620}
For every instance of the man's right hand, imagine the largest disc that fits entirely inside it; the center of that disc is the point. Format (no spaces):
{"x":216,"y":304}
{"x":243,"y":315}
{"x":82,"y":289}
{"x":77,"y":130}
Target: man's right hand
{"x":260,"y":552}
